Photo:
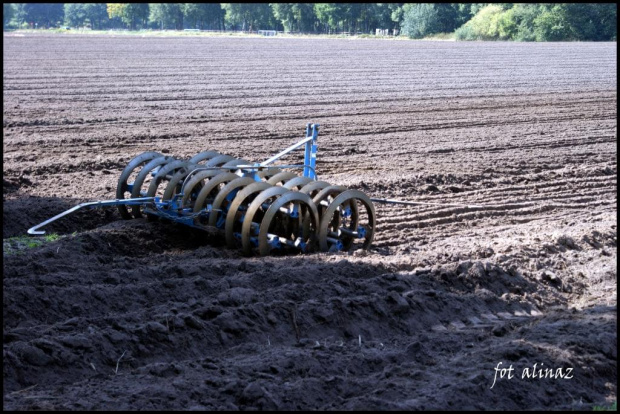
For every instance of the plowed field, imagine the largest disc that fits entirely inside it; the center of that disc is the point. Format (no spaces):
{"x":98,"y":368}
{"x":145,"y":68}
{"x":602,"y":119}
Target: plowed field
{"x":513,"y":146}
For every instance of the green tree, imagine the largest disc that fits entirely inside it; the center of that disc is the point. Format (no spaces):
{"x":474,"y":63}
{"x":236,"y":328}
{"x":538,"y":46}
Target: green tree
{"x":167,"y":15}
{"x":588,"y":21}
{"x":331,"y":15}
{"x":476,"y":7}
{"x":541,"y":22}
{"x":524,"y":15}
{"x":465,"y":11}
{"x":352,"y":16}
{"x":251,"y":16}
{"x":423,"y":19}
{"x":42,"y":14}
{"x":203,"y":15}
{"x":19,"y":13}
{"x":8,"y":11}
{"x":551,"y":25}
{"x":483,"y":26}
{"x":380,"y":16}
{"x":397,"y":13}
{"x":138,"y":14}
{"x":368,"y":18}
{"x":306,"y":17}
{"x":116,"y":10}
{"x":74,"y":14}
{"x":295,"y":16}
{"x":130,"y":14}
{"x":607,"y":21}
{"x":507,"y":27}
{"x":448,"y":17}
{"x":285,"y":14}
{"x":96,"y":14}
{"x":420,"y":19}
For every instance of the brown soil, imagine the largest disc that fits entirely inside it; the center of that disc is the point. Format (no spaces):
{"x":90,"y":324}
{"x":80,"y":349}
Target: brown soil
{"x":152,"y":315}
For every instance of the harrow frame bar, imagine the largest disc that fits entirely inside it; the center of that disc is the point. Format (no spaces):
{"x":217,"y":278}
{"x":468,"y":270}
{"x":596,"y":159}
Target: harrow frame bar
{"x":92,"y":204}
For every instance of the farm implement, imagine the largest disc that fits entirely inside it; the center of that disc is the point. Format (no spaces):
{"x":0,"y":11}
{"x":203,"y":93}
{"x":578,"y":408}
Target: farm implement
{"x":258,"y":207}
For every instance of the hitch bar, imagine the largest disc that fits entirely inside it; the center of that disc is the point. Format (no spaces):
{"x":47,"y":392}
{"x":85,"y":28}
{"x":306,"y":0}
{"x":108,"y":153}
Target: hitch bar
{"x":93,"y":204}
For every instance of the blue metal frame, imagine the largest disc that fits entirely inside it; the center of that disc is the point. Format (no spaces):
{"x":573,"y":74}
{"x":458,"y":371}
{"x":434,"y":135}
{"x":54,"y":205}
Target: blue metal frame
{"x":311,"y":147}
{"x":312,"y":131}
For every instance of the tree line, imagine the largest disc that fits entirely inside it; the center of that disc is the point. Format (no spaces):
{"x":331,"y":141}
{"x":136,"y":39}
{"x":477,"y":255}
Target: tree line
{"x":464,"y":21}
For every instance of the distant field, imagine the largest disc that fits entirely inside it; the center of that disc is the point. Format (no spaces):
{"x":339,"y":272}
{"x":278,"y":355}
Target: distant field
{"x":524,"y":132}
